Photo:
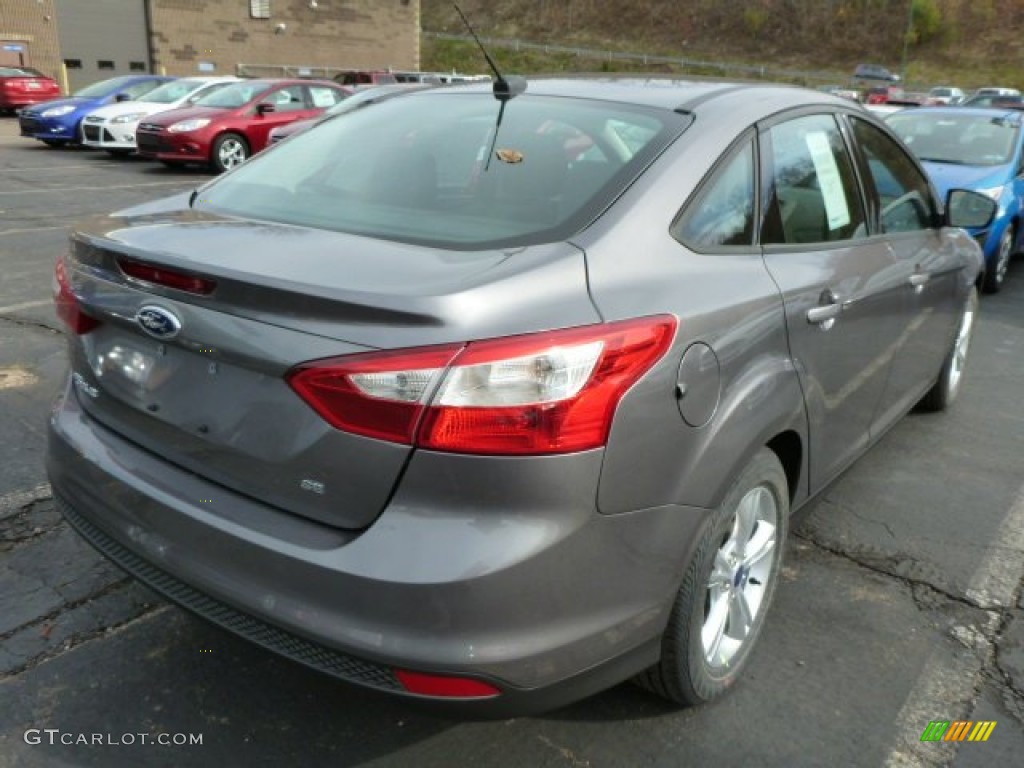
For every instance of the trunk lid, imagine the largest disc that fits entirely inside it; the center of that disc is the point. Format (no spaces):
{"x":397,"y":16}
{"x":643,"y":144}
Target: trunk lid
{"x":212,"y":397}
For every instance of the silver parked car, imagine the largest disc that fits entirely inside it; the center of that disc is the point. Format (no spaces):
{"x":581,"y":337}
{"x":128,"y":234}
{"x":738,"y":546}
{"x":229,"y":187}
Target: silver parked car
{"x":500,"y":398}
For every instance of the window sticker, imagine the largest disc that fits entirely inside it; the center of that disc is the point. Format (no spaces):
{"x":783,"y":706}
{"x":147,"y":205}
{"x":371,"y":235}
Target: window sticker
{"x":837,"y":210}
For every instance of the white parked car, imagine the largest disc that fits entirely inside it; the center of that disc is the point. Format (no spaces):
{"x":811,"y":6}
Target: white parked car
{"x":944,"y":94}
{"x":113,"y":127}
{"x":997,"y":91}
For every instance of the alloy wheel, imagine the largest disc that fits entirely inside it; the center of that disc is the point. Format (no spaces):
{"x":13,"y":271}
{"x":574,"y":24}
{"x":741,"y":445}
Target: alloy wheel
{"x":231,"y":153}
{"x":1003,"y":257}
{"x":740,"y":577}
{"x":958,"y":361}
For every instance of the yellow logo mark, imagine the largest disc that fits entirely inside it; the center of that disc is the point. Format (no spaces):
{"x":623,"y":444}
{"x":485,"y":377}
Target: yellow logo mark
{"x":958,"y":730}
{"x":982,"y":730}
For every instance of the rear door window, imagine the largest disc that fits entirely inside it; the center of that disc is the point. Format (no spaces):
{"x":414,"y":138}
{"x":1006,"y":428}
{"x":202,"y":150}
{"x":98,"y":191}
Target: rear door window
{"x":323,"y":97}
{"x":812,"y":192}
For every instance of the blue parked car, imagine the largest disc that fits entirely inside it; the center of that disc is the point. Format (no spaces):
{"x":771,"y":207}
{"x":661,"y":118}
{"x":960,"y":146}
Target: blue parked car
{"x":58,"y":122}
{"x":977,"y":149}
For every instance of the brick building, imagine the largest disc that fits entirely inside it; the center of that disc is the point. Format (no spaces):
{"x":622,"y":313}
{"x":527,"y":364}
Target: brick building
{"x":28,"y":35}
{"x":189,"y":36}
{"x":97,"y":39}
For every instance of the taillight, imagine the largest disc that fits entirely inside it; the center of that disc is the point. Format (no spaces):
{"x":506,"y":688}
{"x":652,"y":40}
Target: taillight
{"x":172,"y":278}
{"x":66,"y":303}
{"x":380,"y":394}
{"x":542,"y":393}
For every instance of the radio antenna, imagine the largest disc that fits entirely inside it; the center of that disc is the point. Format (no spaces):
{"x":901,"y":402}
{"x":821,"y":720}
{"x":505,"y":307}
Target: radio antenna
{"x":505,"y":88}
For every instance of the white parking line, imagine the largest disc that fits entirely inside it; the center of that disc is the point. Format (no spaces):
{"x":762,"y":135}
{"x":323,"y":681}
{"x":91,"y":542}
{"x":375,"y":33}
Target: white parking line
{"x":17,"y":377}
{"x":17,"y":499}
{"x":31,"y":229}
{"x":945,"y":688}
{"x":996,"y":579}
{"x":24,"y":305}
{"x":37,"y":168}
{"x":93,"y":188}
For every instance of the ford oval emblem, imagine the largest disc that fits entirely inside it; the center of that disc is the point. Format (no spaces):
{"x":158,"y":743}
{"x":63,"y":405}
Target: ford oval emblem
{"x":158,"y":322}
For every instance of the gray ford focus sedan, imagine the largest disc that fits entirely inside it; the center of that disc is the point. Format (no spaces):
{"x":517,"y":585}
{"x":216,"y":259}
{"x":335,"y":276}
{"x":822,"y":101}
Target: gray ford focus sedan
{"x":495,"y":397}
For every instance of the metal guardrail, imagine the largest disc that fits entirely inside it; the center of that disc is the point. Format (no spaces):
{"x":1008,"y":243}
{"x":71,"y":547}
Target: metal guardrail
{"x":726,"y":68}
{"x":702,"y":66}
{"x":288,"y":70}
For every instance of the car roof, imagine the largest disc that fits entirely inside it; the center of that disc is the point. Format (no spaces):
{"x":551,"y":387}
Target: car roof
{"x":271,"y":82}
{"x":675,"y":95}
{"x":213,"y":78}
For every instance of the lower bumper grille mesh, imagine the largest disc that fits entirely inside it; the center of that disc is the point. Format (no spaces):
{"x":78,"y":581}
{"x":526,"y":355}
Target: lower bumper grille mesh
{"x":299,"y":649}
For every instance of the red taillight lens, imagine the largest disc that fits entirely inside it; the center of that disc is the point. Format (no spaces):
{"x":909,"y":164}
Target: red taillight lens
{"x":66,"y":303}
{"x":379,"y":395}
{"x":543,"y":393}
{"x":446,"y":687}
{"x":171,"y":278}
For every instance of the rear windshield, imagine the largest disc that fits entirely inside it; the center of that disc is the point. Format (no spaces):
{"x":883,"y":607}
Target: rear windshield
{"x":235,"y":95}
{"x":419,"y":168}
{"x":958,"y":139}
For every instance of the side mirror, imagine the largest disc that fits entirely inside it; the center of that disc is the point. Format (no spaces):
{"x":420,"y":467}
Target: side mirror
{"x":264,"y":107}
{"x":970,"y":210}
{"x":123,"y":97}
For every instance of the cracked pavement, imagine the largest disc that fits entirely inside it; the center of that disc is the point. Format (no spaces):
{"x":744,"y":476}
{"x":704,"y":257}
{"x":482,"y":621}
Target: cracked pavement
{"x":900,"y":599}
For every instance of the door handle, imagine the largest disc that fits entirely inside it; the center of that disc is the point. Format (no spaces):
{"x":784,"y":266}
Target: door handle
{"x":828,"y":309}
{"x":824,"y":314}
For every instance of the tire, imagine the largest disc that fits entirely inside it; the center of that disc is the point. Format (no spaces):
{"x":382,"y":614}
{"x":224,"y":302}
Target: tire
{"x":697,"y":663}
{"x":947,"y":387}
{"x":229,"y":150}
{"x":994,"y":277}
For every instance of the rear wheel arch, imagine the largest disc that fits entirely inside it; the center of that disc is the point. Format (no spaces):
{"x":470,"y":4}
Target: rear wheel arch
{"x":788,"y":448}
{"x":720,"y":605}
{"x":781,"y":429}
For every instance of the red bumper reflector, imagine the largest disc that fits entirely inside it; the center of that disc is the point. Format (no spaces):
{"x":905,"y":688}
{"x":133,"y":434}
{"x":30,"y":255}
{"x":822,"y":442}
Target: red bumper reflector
{"x":445,"y":687}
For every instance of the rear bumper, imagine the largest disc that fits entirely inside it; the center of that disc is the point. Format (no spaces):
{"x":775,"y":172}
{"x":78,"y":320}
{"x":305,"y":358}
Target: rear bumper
{"x":536,"y":593}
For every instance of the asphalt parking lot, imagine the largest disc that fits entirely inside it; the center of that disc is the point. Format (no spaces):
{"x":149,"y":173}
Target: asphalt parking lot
{"x":900,"y":602}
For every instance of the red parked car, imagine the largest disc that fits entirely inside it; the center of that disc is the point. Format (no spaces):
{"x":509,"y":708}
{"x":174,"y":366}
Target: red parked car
{"x":883,"y":94}
{"x":234,"y":122}
{"x":24,"y":86}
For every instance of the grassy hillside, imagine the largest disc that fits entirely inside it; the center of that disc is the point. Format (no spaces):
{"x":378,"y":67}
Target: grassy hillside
{"x":961,"y":42}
